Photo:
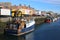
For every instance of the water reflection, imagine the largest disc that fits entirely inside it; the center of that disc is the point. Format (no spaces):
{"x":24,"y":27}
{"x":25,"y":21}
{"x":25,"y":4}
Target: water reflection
{"x":28,"y":36}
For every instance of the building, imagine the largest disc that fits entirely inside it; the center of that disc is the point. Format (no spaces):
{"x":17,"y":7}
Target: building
{"x":51,"y":13}
{"x":25,"y":9}
{"x":43,"y":13}
{"x":37,"y":13}
{"x":6,"y":5}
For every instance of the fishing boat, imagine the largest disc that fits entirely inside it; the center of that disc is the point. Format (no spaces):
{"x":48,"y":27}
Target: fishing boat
{"x":55,"y":19}
{"x":48,"y":20}
{"x":19,"y":25}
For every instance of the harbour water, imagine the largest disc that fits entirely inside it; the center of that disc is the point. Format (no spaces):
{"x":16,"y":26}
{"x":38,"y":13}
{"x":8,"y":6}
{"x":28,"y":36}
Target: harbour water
{"x":45,"y":31}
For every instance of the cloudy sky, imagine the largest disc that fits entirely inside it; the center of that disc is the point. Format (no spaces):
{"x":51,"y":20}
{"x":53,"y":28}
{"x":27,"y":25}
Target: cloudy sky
{"x":43,"y":5}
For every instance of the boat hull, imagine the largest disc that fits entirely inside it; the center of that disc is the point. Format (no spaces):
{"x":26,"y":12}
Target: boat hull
{"x":48,"y":20}
{"x":15,"y":32}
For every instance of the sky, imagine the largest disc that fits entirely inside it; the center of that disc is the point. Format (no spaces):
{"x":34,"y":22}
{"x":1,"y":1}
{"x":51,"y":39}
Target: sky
{"x":42,"y":5}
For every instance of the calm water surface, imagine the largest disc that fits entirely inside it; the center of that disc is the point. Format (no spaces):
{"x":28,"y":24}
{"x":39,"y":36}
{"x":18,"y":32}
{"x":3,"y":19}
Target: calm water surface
{"x":46,"y":31}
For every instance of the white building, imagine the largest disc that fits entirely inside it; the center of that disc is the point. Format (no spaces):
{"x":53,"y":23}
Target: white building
{"x":38,"y":12}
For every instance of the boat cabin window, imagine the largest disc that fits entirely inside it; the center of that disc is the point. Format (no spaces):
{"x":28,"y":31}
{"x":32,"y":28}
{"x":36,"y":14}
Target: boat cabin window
{"x":13,"y":26}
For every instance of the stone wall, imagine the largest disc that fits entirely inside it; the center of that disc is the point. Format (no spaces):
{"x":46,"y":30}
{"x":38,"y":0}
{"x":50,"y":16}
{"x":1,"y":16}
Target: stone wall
{"x":5,"y":19}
